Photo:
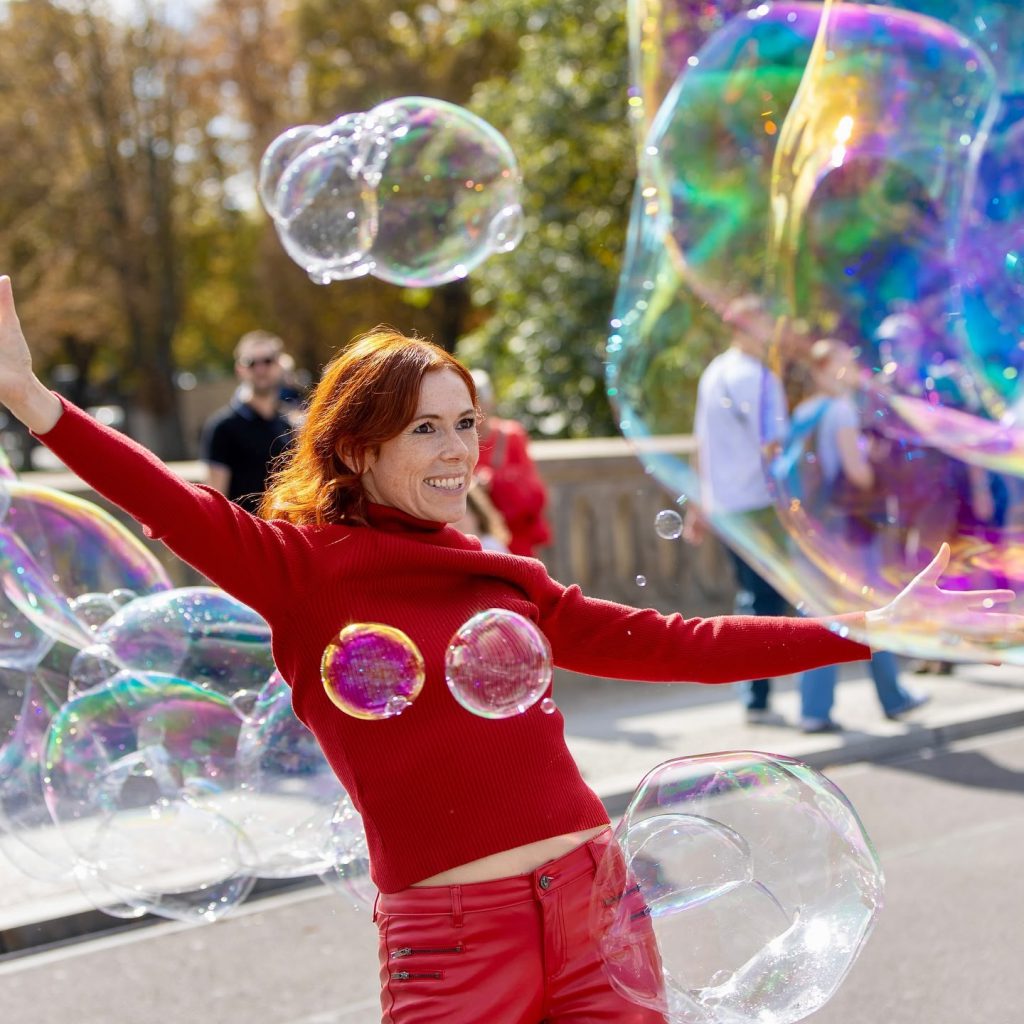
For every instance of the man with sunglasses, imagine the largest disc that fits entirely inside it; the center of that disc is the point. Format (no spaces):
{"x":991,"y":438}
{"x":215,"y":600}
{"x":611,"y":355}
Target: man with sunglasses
{"x":241,"y":441}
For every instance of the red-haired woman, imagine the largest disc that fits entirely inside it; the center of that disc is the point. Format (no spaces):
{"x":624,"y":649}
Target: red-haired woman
{"x":483,"y":836}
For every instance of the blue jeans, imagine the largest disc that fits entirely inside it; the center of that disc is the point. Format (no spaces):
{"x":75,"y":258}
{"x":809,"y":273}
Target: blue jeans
{"x":756,"y":596}
{"x":818,"y":687}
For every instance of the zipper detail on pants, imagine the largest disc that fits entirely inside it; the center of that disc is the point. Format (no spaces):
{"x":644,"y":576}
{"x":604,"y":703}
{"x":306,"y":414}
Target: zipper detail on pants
{"x":414,"y":950}
{"x":632,"y":890}
{"x":415,"y":975}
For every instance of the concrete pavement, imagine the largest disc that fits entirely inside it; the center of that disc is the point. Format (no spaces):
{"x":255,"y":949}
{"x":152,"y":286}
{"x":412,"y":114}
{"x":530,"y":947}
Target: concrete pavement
{"x":620,"y":731}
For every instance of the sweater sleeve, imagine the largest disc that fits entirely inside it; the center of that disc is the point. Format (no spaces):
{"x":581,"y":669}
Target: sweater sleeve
{"x":605,"y":639}
{"x":241,"y":553}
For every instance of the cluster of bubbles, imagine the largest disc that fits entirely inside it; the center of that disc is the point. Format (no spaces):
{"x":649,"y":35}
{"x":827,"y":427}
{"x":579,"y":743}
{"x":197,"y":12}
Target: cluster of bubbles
{"x":497,"y":665}
{"x":849,"y":177}
{"x":740,"y":888}
{"x":416,"y":191}
{"x":131,"y":711}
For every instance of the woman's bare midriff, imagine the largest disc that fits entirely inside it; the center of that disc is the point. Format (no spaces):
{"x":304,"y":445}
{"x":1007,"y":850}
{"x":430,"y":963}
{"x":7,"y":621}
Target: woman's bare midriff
{"x":520,"y":860}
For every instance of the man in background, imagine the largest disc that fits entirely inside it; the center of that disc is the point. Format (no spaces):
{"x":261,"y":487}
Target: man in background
{"x":241,"y":441}
{"x":509,"y":475}
{"x":740,"y":407}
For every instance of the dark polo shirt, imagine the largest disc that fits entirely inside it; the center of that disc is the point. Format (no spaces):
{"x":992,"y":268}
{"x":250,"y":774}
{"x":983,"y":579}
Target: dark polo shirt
{"x":240,"y":439}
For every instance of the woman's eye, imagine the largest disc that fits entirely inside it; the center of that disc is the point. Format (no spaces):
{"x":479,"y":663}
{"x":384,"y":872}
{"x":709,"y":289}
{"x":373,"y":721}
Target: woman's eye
{"x":423,"y":428}
{"x":468,"y":423}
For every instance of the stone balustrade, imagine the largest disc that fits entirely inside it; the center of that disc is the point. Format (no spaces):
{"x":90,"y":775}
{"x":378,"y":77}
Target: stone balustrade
{"x":602,"y":506}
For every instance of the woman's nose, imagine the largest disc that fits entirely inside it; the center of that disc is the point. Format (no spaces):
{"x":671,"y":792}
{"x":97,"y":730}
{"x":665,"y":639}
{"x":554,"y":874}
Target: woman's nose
{"x":455,"y":446}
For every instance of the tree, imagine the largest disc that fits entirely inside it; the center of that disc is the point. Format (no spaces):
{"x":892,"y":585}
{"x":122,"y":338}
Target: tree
{"x":563,"y":109}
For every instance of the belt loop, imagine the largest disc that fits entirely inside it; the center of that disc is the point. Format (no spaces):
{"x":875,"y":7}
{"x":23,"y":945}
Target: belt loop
{"x":456,"y":892}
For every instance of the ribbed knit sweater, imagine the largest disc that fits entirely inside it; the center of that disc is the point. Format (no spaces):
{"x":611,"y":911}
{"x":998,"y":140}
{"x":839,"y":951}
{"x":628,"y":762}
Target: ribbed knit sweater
{"x":437,"y":786}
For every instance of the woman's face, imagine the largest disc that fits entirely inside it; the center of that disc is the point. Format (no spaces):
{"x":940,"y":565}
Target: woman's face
{"x":426,"y":470}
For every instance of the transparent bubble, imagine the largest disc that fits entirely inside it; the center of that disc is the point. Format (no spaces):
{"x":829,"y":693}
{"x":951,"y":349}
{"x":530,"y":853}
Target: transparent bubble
{"x":449,"y":193}
{"x":350,"y":870}
{"x":548,"y":706}
{"x":668,"y":524}
{"x":851,"y":173}
{"x":276,"y":158}
{"x":92,"y":610}
{"x":498,"y":664}
{"x":137,"y":775}
{"x":372,"y":671}
{"x":326,"y":208}
{"x":641,"y":581}
{"x":753,"y":875}
{"x":288,"y":793}
{"x":92,"y":666}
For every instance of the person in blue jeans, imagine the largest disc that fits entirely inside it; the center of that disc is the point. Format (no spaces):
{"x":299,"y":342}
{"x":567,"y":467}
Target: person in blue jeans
{"x":741,"y":406}
{"x":830,"y":419}
{"x":756,"y":596}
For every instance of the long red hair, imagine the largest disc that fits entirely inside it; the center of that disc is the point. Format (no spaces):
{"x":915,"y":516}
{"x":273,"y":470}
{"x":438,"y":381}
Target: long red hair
{"x":367,"y":394}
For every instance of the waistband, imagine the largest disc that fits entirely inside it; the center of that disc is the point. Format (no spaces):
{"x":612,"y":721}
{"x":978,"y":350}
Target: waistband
{"x":501,"y":892}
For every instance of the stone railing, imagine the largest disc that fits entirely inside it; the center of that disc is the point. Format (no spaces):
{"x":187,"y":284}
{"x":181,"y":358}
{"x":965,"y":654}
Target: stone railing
{"x":602,"y":506}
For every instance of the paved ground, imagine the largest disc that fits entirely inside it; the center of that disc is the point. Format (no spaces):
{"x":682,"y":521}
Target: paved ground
{"x":619,"y":731}
{"x":284,"y":958}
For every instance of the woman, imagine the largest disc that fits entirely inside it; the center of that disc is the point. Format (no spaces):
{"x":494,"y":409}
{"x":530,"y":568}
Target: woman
{"x":483,"y":837}
{"x":843,"y":456}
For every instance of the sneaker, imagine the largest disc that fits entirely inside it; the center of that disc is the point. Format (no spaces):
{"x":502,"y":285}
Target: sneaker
{"x":915,"y":701}
{"x":819,"y":725}
{"x":764,"y":716}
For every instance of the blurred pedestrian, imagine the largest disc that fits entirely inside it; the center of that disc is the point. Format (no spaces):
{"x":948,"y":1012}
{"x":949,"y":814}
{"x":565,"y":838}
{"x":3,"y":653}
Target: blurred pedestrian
{"x":509,"y":474}
{"x":828,"y":423}
{"x":240,"y":441}
{"x":483,"y":520}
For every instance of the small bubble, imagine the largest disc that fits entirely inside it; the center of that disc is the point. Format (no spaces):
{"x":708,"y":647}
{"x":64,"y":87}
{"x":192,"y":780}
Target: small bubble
{"x":668,"y":524}
{"x":547,"y":705}
{"x":641,"y":581}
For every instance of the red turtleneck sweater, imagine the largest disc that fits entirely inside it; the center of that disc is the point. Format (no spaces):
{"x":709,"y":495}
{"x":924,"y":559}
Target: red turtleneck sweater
{"x":436,"y":786}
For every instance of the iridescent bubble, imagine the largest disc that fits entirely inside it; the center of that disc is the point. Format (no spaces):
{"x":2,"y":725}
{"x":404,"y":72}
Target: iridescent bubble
{"x":449,"y":192}
{"x":498,"y":664}
{"x":548,"y":706}
{"x":55,"y":548}
{"x":641,"y":581}
{"x":137,"y":775}
{"x":197,"y":633}
{"x":326,"y":202}
{"x":372,"y":671}
{"x":745,"y":868}
{"x":853,"y":169}
{"x":668,"y":524}
{"x":28,"y":839}
{"x":288,"y":792}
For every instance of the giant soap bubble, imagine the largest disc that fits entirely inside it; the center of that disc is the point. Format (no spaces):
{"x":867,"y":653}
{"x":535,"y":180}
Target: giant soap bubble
{"x":846,"y":174}
{"x":129,"y":765}
{"x":417,"y":192}
{"x":756,"y":879}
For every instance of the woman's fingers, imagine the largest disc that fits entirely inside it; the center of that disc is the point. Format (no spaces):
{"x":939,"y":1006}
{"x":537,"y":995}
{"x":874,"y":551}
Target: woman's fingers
{"x":929,"y":576}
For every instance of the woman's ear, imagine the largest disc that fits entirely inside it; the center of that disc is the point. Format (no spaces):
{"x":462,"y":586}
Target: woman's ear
{"x":348,"y":461}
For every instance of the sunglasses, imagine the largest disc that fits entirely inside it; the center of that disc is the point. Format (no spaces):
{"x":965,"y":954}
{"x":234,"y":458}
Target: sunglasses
{"x":261,"y":361}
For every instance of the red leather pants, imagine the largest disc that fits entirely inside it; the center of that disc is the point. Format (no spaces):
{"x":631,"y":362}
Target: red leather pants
{"x":513,"y":951}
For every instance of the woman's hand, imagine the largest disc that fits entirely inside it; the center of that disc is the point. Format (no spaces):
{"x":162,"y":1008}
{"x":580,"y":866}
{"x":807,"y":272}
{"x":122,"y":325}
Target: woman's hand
{"x":20,"y":389}
{"x":973,"y":612}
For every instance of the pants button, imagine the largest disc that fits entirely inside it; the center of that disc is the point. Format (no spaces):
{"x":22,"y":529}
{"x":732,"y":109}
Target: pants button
{"x":545,"y":881}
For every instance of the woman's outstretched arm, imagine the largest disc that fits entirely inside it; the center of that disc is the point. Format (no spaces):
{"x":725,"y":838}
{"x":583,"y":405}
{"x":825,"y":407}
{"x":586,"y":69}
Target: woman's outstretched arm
{"x":244,"y":555}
